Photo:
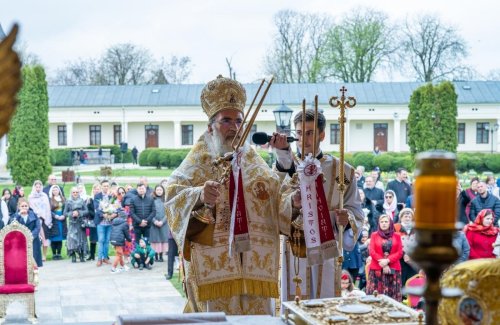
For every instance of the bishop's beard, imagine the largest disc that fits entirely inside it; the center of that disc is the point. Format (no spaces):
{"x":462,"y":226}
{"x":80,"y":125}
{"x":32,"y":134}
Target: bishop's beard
{"x":219,"y":144}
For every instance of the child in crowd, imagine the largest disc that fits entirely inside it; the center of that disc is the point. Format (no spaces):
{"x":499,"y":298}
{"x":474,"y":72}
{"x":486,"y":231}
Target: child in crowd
{"x":347,"y":286}
{"x":143,"y":256}
{"x":119,"y":234}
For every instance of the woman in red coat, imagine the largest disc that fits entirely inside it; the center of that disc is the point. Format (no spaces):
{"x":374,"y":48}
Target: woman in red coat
{"x":481,"y":235}
{"x":386,"y":250}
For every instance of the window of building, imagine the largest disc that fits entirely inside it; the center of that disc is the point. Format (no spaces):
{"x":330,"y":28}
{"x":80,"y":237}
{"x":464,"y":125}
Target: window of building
{"x":461,"y":133}
{"x":187,"y":134}
{"x":117,"y":134}
{"x":252,"y":131}
{"x":482,"y":134}
{"x":335,"y":133}
{"x":95,"y":135}
{"x":62,"y":136}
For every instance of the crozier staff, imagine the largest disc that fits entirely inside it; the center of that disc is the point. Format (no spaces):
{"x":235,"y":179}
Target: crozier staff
{"x":228,"y":233}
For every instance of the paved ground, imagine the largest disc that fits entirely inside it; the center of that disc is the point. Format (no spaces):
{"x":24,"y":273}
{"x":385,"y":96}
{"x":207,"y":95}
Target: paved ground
{"x":83,"y":293}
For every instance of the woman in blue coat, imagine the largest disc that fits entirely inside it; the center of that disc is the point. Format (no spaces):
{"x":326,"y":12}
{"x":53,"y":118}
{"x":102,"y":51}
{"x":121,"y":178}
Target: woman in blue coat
{"x":27,"y":217}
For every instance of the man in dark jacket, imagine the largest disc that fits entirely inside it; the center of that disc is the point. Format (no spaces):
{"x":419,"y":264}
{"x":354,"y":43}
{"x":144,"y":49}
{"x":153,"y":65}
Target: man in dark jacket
{"x":52,"y":180}
{"x":374,"y":194}
{"x":400,"y":186}
{"x":142,"y":210}
{"x":484,"y":200}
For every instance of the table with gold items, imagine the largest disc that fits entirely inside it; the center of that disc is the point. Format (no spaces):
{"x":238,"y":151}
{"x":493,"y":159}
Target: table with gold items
{"x":372,"y":309}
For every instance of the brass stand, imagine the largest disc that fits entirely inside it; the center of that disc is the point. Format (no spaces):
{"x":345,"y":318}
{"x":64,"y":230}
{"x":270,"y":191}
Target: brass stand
{"x":434,"y":253}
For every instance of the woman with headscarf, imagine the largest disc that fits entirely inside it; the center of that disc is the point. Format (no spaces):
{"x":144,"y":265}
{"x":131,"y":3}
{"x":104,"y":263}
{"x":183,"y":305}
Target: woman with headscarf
{"x":57,"y":203}
{"x":91,"y":232}
{"x":481,"y":235}
{"x":391,"y":205}
{"x":39,"y":203}
{"x":75,"y":211}
{"x":17,"y":193}
{"x":28,"y":218}
{"x":386,"y":249}
{"x":407,"y":232}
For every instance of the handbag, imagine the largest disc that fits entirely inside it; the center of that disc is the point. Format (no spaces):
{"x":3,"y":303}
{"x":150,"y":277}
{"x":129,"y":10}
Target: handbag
{"x":88,"y":223}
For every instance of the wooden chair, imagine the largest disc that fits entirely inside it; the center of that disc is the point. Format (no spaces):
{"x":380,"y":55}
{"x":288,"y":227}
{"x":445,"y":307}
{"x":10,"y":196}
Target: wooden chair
{"x":17,"y":276}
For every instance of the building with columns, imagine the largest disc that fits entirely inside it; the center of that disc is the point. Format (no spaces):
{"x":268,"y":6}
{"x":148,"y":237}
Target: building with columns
{"x":170,"y":116}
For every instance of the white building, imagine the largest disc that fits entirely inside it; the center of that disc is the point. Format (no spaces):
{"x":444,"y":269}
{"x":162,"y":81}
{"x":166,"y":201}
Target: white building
{"x":170,"y":116}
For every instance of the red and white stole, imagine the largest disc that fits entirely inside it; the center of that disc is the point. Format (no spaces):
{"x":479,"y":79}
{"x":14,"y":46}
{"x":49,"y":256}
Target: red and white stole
{"x":318,"y":228}
{"x":238,"y":230}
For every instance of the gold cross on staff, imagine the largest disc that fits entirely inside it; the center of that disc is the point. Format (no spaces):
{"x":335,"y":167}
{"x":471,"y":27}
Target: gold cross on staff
{"x":342,"y":104}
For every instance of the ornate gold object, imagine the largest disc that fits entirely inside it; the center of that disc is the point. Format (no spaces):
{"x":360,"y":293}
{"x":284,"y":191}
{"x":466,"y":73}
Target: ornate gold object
{"x":478,"y":279}
{"x":435,"y":186}
{"x":378,"y":309}
{"x":10,"y":79}
{"x":342,"y":104}
{"x":222,"y":93}
{"x":27,"y":298}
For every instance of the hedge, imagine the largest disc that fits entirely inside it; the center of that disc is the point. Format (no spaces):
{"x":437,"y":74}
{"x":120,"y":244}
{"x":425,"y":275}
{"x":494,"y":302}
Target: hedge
{"x":62,"y":157}
{"x":390,"y":161}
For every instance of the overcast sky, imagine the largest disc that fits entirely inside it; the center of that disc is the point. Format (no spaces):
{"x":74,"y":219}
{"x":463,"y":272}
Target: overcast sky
{"x":208,"y":31}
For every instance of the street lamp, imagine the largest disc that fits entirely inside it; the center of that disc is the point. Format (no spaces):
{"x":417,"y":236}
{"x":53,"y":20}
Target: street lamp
{"x":282,"y":116}
{"x":493,"y":130}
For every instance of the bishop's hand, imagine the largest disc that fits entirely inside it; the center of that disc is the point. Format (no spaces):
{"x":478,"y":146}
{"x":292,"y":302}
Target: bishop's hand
{"x":210,"y":193}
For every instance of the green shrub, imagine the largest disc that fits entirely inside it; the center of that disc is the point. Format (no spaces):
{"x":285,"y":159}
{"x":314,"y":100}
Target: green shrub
{"x":476,"y":163}
{"x":176,"y":159}
{"x":363,"y":159}
{"x":154,"y":158}
{"x":61,"y":157}
{"x":144,"y":157}
{"x":492,"y":163}
{"x":164,"y":157}
{"x":383,"y":161}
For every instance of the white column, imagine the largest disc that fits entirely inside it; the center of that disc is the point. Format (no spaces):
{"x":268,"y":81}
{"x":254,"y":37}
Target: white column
{"x":69,"y":134}
{"x":397,"y":133}
{"x":347,"y":136}
{"x":124,"y":131}
{"x":3,"y":152}
{"x":177,"y":134}
{"x":496,"y":139}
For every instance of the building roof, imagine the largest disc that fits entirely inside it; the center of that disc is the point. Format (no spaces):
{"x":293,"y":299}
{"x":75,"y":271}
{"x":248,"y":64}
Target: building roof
{"x":469,"y":92}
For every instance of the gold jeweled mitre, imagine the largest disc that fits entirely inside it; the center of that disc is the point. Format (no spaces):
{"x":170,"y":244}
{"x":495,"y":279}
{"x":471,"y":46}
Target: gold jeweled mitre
{"x":222,"y":93}
{"x":479,"y":304}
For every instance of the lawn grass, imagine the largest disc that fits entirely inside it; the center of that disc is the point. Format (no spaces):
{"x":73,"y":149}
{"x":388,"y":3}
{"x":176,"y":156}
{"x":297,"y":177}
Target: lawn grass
{"x":177,"y":283}
{"x":119,"y":172}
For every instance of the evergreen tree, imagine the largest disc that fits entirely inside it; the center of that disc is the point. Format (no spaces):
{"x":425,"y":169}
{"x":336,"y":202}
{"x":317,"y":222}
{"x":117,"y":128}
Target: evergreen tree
{"x":432,"y":120}
{"x":28,"y":153}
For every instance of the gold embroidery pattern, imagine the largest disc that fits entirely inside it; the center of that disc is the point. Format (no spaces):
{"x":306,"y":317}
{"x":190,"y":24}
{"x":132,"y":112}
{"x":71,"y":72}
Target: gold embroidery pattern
{"x":265,"y":264}
{"x":212,"y":265}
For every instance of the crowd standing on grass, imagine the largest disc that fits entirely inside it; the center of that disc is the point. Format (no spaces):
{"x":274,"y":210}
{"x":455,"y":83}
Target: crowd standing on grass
{"x":84,"y":226}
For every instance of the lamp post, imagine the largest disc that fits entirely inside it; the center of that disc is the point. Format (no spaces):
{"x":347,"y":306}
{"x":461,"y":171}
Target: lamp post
{"x":493,"y":129}
{"x":282,"y":116}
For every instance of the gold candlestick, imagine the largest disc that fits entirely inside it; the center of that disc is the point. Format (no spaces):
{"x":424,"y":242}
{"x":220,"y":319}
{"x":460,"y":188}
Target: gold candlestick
{"x":435,"y":215}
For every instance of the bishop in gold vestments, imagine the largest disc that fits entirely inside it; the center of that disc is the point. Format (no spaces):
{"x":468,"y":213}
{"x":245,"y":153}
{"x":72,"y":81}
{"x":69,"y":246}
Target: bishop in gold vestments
{"x":222,"y":272}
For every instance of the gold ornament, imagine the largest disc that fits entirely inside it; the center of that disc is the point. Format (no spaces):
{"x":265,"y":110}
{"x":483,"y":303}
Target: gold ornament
{"x":221,"y":94}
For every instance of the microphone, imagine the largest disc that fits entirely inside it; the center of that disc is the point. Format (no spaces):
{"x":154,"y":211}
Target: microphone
{"x":263,"y":138}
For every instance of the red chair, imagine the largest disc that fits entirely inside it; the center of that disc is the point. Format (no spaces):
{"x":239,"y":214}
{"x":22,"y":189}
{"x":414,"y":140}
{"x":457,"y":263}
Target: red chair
{"x":17,"y":281}
{"x":418,"y":280}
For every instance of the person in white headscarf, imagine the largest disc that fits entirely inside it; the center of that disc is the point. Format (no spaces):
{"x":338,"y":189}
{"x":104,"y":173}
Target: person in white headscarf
{"x":39,"y":203}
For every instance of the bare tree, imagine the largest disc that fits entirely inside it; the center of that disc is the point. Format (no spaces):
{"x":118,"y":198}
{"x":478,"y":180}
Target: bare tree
{"x":434,"y":50}
{"x":232,"y":73}
{"x":79,"y":72}
{"x":125,"y":64}
{"x":359,"y":45}
{"x":493,"y":75}
{"x":294,"y":57}
{"x":175,"y":70}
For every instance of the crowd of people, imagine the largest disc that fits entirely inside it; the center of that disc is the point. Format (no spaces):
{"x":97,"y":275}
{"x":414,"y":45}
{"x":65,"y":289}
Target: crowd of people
{"x":228,"y":216}
{"x":381,"y":260}
{"x":131,"y":219}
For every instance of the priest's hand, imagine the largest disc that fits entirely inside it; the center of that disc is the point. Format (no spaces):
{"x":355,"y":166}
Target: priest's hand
{"x":210,"y":192}
{"x":278,"y":141}
{"x":342,"y":217}
{"x":296,"y":200}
